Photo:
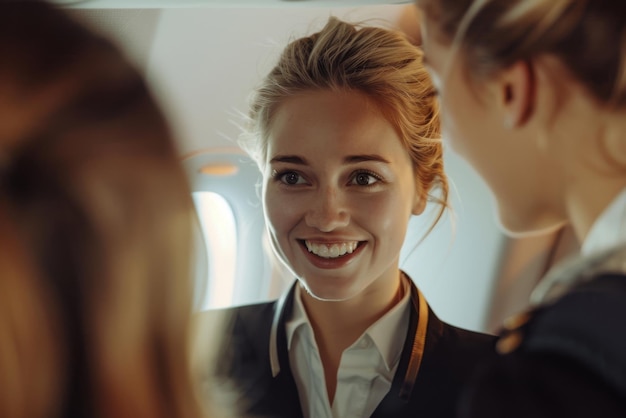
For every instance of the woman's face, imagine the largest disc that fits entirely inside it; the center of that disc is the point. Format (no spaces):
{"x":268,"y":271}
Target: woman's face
{"x":474,"y":123}
{"x":338,"y":193}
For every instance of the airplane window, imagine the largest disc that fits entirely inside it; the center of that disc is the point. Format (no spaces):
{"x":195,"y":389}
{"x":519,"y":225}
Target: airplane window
{"x":232,"y":267}
{"x":220,"y":235}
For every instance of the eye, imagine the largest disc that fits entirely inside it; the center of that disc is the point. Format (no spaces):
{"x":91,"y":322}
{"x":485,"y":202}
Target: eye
{"x":290,"y":177}
{"x":364,"y":178}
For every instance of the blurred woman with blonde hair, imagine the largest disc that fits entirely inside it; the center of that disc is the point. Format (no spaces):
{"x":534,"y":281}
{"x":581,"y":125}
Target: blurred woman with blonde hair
{"x":533,"y":95}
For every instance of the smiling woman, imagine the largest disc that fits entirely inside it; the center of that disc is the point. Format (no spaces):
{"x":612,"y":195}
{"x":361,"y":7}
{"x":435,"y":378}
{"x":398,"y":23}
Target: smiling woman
{"x":345,"y":132}
{"x":204,"y":92}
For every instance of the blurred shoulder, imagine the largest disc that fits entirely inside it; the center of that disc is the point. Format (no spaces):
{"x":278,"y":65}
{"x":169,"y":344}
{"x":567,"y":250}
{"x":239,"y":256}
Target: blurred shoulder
{"x":563,"y":358}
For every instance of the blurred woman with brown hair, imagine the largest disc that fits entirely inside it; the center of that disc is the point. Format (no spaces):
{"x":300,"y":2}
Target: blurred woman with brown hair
{"x":533,"y":95}
{"x":95,"y":224}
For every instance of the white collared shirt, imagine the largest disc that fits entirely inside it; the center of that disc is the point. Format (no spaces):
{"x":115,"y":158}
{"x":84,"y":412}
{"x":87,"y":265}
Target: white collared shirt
{"x":609,"y":229}
{"x":366,"y":369}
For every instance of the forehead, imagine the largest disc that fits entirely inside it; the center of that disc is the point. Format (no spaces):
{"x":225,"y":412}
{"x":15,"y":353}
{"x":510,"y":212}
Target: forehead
{"x":324,"y":120}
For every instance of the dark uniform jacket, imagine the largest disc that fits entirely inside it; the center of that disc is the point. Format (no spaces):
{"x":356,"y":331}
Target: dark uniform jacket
{"x":255,"y":362}
{"x":566,"y":357}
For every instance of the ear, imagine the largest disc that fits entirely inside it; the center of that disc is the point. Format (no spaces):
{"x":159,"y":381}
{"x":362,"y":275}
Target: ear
{"x":419,"y":204}
{"x":517,"y":86}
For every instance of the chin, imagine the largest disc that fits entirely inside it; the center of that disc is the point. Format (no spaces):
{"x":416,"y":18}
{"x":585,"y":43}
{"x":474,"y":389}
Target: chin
{"x":328,"y":294}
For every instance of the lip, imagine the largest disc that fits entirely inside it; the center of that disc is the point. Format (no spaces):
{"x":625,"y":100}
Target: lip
{"x":331,"y":263}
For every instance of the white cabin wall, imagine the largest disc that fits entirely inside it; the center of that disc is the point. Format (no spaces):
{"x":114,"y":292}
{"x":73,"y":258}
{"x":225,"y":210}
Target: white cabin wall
{"x":205,"y":62}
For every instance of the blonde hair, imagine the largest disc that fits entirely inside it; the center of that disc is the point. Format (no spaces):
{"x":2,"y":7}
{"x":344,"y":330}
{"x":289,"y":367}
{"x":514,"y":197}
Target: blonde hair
{"x":588,"y":36}
{"x":95,"y":231}
{"x":381,"y":63}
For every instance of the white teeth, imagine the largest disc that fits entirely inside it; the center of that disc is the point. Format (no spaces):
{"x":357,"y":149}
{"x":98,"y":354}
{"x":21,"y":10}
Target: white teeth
{"x":331,"y":250}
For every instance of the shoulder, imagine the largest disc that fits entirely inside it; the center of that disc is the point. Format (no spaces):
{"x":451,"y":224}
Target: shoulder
{"x":455,"y":338}
{"x":247,"y":321}
{"x":567,"y":358}
{"x":538,"y":385}
{"x":253,"y":314}
{"x":223,"y":337}
{"x":452,"y":353}
{"x":243,"y":340}
{"x":469,"y":338}
{"x":585,"y":325}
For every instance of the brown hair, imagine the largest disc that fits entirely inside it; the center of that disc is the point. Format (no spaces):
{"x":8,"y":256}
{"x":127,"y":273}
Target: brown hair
{"x":589,"y":36}
{"x":95,"y":230}
{"x":378,"y":62}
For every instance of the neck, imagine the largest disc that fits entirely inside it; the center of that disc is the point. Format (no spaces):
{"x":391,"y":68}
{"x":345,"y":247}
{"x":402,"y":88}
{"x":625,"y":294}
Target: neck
{"x":337,"y":325}
{"x":598,"y":174}
{"x":585,"y":154}
{"x":348,"y":319}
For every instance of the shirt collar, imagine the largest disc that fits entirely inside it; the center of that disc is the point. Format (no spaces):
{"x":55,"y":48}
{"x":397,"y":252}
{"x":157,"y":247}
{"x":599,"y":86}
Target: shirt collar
{"x":384,"y":332}
{"x":298,"y":319}
{"x":389,"y":332}
{"x":609,"y":229}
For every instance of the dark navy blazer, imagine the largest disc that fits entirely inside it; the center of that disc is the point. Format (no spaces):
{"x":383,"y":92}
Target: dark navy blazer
{"x":426,"y":388}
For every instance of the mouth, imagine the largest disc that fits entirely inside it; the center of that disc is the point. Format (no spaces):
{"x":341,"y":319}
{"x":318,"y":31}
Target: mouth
{"x":331,"y":250}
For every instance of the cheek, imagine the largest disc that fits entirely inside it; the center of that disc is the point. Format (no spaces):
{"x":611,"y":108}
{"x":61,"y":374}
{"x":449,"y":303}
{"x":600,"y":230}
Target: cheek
{"x":279,"y":215}
{"x":388,"y":216}
{"x":272,"y":210}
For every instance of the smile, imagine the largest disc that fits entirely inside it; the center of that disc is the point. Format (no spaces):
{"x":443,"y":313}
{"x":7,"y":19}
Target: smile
{"x":334,"y":250}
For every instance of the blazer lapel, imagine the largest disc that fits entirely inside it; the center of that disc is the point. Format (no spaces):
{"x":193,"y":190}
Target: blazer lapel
{"x":284,"y":390}
{"x":411,"y":358}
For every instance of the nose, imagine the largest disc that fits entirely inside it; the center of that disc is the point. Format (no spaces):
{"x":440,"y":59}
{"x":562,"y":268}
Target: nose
{"x":327,"y":210}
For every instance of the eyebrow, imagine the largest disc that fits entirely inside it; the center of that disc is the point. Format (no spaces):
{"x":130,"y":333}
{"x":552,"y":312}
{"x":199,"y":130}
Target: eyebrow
{"x":351,"y":159}
{"x":365,"y":157}
{"x":293,"y":159}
